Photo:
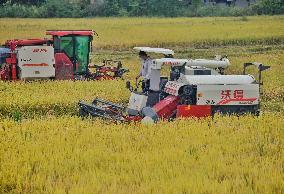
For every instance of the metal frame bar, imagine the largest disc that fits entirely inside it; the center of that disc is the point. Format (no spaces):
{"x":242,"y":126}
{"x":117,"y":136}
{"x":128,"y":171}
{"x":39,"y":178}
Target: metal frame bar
{"x":97,"y":111}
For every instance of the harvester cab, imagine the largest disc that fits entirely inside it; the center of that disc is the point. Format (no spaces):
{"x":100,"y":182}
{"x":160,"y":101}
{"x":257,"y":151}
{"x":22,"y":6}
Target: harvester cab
{"x":71,"y":49}
{"x":65,"y":56}
{"x":196,"y":88}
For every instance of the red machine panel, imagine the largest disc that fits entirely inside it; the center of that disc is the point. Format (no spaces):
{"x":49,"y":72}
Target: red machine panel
{"x":69,"y":32}
{"x":63,"y":67}
{"x":198,"y":111}
{"x":5,"y":72}
{"x":166,"y":108}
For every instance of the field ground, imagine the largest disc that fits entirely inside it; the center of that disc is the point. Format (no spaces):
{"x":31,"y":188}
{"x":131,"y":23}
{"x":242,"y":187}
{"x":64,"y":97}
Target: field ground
{"x":46,"y":148}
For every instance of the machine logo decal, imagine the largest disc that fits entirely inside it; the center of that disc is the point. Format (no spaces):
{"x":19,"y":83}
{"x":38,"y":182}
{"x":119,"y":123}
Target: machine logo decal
{"x":36,"y":65}
{"x":40,"y":50}
{"x":239,"y":94}
{"x":241,"y":101}
{"x":171,"y":63}
{"x":228,"y":96}
{"x":172,"y":88}
{"x":26,"y":60}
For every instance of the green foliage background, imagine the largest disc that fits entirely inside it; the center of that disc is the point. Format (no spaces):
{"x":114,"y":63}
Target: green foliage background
{"x":166,"y":8}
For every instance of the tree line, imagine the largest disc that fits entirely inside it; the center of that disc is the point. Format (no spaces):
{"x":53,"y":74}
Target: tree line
{"x":131,"y":8}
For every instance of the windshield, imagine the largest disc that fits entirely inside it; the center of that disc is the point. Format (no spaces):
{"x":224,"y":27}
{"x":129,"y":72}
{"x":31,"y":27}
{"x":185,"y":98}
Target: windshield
{"x":77,"y":48}
{"x":4,"y":53}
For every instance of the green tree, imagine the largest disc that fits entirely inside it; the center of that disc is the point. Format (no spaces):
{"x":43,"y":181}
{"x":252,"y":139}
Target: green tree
{"x":61,"y":8}
{"x":195,"y":4}
{"x":111,"y":8}
{"x":269,"y":7}
{"x":23,"y":2}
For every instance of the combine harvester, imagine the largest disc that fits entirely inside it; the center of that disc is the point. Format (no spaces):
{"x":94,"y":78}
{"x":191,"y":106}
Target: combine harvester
{"x":195,"y":88}
{"x":65,"y":56}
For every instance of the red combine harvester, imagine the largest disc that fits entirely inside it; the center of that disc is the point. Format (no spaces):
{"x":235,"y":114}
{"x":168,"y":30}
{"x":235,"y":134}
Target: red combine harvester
{"x":195,"y":88}
{"x":65,"y":56}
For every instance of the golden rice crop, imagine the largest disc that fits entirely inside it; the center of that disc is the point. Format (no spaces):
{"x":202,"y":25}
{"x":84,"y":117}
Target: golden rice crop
{"x":61,"y":97}
{"x":55,"y":97}
{"x":127,"y":32}
{"x":46,"y":149}
{"x":70,"y":155}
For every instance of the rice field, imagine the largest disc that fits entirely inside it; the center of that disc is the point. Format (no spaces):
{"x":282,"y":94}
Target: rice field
{"x":121,"y":33}
{"x":46,"y":148}
{"x":68,"y":155}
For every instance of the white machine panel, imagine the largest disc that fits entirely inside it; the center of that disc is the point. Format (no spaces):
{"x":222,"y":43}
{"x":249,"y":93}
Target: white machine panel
{"x":155,"y":79}
{"x":224,"y":63}
{"x":228,"y":94}
{"x":172,"y":87}
{"x":216,"y":79}
{"x":36,"y":62}
{"x":137,"y":101}
{"x":155,"y":50}
{"x":158,"y":63}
